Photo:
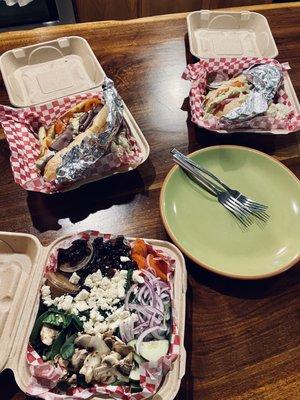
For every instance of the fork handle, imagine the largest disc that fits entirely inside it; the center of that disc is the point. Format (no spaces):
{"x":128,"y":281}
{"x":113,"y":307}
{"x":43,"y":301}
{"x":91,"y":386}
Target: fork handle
{"x":200,"y":179}
{"x":199,"y":167}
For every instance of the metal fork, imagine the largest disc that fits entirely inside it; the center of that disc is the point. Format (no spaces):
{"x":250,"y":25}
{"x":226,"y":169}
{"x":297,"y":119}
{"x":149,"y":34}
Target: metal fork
{"x":223,"y":197}
{"x":253,"y":206}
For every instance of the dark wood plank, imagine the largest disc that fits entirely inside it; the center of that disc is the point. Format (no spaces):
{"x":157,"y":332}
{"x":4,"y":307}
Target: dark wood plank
{"x":100,"y":10}
{"x":242,"y":338}
{"x":158,"y":7}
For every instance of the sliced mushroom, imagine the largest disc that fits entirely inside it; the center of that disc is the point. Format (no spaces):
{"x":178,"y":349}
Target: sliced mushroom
{"x":60,"y":284}
{"x":104,"y":374}
{"x":48,"y":335}
{"x":122,"y":348}
{"x":112,"y":359}
{"x":67,"y":266}
{"x":109,"y":342}
{"x":60,"y":361}
{"x":97,"y":343}
{"x":83,"y":340}
{"x":125,"y":365}
{"x":92,"y":361}
{"x":72,"y":380}
{"x":108,"y":334}
{"x":78,"y":359}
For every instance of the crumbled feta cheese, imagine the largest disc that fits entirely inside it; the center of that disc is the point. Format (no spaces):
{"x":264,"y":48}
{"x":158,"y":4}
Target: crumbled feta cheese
{"x":66,"y":303}
{"x":45,"y":290}
{"x":83,"y":318}
{"x":81,"y":305}
{"x":136,"y":277}
{"x":124,"y":259}
{"x":100,"y":327}
{"x":74,"y":278}
{"x":88,"y":327}
{"x":48,"y":302}
{"x":82,"y":295}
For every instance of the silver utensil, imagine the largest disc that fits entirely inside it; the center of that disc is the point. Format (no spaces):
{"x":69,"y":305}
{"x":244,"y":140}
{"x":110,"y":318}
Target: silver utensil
{"x":251,"y":205}
{"x":223,"y":197}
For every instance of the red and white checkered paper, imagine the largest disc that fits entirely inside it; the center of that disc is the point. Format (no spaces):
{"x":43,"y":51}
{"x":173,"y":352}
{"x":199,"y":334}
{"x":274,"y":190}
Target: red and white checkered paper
{"x":45,"y":375}
{"x":198,"y":73}
{"x":19,"y":126}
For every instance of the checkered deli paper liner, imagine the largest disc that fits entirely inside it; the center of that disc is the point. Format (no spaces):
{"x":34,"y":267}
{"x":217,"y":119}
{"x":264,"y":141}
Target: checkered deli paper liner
{"x":198,"y":74}
{"x":45,"y":376}
{"x":20,"y":127}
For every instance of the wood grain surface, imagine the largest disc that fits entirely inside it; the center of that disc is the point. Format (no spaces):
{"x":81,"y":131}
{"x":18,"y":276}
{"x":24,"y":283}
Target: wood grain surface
{"x":100,"y":10}
{"x":242,"y":338}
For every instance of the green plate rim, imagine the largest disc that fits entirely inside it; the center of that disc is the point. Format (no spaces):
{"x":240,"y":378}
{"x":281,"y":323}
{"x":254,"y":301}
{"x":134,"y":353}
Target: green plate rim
{"x":195,"y":259}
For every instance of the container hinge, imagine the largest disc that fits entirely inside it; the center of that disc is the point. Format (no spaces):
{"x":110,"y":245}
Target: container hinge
{"x":245,"y":15}
{"x":205,"y":14}
{"x":19,"y":53}
{"x":63,"y":42}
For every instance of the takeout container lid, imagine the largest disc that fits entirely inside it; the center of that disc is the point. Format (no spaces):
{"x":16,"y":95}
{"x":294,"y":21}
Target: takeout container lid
{"x":229,"y":34}
{"x":47,"y":71}
{"x":22,"y":261}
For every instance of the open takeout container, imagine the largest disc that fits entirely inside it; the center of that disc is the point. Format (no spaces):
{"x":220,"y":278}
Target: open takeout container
{"x":235,"y":34}
{"x":22,"y":262}
{"x":38,"y":74}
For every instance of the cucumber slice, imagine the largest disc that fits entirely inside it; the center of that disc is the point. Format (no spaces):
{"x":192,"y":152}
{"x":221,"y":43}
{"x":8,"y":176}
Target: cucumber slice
{"x":132,"y":343}
{"x":152,"y":351}
{"x":135,"y":374}
{"x":138,"y":359}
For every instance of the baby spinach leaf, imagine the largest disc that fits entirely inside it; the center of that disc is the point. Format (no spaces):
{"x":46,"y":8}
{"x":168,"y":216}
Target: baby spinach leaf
{"x":128,"y":280}
{"x":54,"y":319}
{"x":68,"y":348}
{"x":35,"y":334}
{"x":76,"y":323}
{"x":57,"y":344}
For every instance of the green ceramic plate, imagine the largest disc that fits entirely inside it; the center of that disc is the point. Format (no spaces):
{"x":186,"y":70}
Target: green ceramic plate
{"x":207,"y":233}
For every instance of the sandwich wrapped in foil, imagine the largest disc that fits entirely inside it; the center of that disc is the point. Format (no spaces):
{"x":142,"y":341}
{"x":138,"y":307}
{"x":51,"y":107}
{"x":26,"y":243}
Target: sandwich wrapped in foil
{"x":80,"y":160}
{"x":266,"y":80}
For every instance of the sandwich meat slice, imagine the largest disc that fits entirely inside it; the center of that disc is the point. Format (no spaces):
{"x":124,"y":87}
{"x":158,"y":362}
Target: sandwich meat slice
{"x":84,"y":120}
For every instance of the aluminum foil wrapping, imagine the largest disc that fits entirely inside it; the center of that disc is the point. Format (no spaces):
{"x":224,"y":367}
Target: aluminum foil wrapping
{"x":81,"y":159}
{"x":266,"y":80}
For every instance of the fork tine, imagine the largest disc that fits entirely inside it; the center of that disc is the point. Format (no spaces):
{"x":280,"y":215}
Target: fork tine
{"x":237,"y":212}
{"x":252,"y":203}
{"x":244,"y":213}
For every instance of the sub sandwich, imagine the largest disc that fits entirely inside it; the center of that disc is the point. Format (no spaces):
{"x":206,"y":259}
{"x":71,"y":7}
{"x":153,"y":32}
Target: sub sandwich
{"x":86,"y":119}
{"x":228,"y":96}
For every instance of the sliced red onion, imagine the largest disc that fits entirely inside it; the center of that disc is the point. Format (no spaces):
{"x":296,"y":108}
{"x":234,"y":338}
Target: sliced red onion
{"x":123,"y":332}
{"x":128,"y":296}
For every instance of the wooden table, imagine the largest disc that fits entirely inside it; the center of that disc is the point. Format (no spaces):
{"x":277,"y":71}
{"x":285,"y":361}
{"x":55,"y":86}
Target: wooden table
{"x":242,"y":338}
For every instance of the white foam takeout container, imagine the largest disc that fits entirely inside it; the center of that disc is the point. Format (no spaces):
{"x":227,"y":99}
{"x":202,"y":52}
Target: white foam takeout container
{"x":58,"y":68}
{"x":235,"y":34}
{"x":22,"y":260}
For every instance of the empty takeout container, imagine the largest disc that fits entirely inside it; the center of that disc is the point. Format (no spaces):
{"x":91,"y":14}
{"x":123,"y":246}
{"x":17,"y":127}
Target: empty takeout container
{"x":59,"y":68}
{"x":235,"y":34}
{"x":22,"y":261}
